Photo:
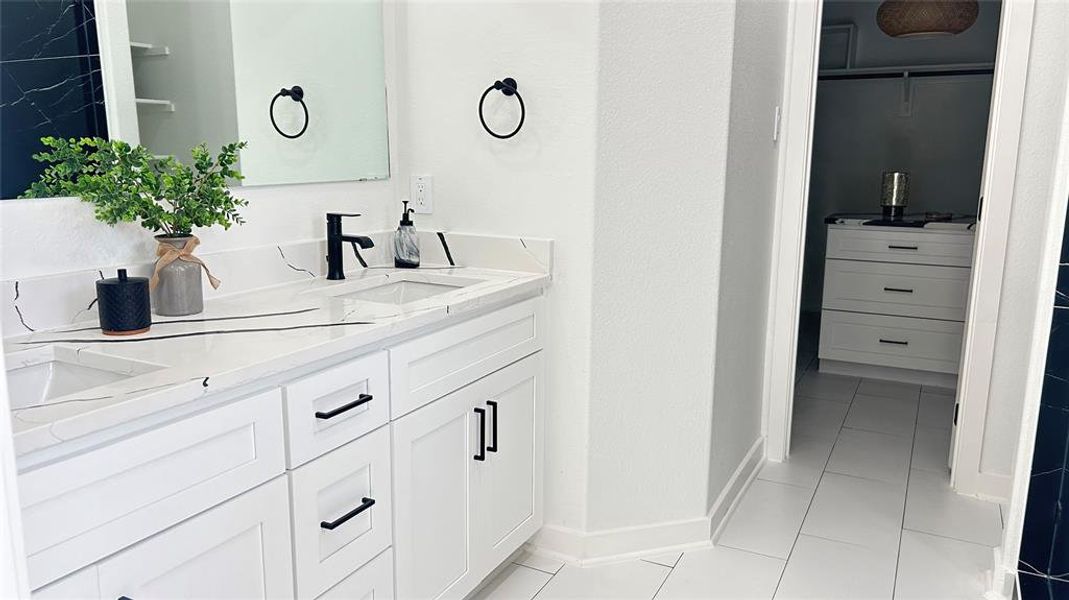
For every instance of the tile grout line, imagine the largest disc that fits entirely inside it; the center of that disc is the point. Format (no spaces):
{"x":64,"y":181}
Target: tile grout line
{"x":905,"y":498}
{"x":666,"y":576}
{"x":813,"y":498}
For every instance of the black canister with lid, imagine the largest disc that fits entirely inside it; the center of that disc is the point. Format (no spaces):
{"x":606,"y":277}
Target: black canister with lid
{"x":123,"y":305}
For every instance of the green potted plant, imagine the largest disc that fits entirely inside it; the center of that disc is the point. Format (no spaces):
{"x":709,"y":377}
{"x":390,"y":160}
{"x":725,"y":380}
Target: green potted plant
{"x":127,"y":183}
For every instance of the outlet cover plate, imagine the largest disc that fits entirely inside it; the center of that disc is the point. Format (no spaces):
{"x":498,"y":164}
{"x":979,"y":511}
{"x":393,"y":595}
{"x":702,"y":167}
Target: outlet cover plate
{"x":421,"y":193}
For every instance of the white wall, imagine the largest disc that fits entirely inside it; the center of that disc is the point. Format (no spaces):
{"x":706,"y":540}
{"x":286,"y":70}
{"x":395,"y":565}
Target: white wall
{"x":759,"y":65}
{"x":663,"y":96}
{"x":539,"y":183}
{"x":1046,"y":97}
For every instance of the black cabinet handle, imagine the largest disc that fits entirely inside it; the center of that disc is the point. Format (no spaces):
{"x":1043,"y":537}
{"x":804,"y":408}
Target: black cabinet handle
{"x":482,"y":434}
{"x":899,"y":290}
{"x":493,"y":426}
{"x":897,"y":247}
{"x":365,"y":503}
{"x":895,"y":342}
{"x":330,"y":414}
{"x":125,"y":598}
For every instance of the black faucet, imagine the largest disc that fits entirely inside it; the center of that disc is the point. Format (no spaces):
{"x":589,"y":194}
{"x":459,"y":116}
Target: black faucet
{"x":335,"y":237}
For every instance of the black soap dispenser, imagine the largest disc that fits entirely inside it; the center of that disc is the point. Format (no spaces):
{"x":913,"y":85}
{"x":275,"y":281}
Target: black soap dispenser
{"x":123,"y":305}
{"x":406,"y":241}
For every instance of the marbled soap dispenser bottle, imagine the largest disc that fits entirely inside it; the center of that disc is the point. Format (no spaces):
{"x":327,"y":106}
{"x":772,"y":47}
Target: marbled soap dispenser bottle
{"x":406,"y":242}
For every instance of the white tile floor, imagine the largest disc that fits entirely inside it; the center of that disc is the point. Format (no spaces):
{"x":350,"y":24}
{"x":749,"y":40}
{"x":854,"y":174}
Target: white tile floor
{"x":863,"y":509}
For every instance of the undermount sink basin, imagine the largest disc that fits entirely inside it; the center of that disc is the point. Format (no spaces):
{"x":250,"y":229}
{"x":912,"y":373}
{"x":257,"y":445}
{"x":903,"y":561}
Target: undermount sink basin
{"x":397,"y":288}
{"x":38,"y":375}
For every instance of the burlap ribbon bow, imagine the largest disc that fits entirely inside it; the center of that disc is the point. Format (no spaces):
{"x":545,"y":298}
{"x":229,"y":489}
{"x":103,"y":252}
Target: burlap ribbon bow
{"x":167,"y":254}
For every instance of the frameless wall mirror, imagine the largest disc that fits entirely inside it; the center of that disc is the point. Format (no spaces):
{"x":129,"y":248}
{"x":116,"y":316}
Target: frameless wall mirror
{"x":301,"y":81}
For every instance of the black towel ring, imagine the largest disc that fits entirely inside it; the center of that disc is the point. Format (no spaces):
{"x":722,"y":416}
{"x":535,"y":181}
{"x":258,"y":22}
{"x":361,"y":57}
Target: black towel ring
{"x":295,"y":93}
{"x":508,"y":88}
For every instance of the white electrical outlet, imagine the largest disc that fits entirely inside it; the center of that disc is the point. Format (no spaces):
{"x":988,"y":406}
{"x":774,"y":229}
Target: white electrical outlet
{"x":421,"y":193}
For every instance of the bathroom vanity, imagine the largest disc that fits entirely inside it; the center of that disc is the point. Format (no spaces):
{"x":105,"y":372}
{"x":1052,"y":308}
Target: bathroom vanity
{"x":895,"y":300}
{"x":376,"y":436}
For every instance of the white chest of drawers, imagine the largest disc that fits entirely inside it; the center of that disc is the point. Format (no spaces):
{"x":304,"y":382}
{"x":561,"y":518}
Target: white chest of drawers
{"x":894,"y":301}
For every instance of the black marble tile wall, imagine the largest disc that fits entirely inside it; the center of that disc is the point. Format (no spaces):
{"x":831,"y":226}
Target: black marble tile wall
{"x":1044,"y":559}
{"x":50,"y":82}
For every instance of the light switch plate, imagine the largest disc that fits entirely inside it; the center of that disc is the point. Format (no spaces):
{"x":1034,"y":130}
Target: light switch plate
{"x":421,"y":193}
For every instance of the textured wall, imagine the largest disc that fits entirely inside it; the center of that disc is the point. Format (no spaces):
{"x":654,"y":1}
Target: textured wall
{"x":539,"y":183}
{"x":759,"y":64}
{"x":663,"y":101}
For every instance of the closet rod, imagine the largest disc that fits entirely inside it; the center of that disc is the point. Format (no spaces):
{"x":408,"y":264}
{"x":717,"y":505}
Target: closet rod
{"x":901,"y":74}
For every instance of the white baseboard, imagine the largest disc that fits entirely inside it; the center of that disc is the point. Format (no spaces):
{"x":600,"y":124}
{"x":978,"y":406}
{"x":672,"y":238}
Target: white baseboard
{"x":740,"y":481}
{"x":931,"y":378}
{"x":626,"y":543}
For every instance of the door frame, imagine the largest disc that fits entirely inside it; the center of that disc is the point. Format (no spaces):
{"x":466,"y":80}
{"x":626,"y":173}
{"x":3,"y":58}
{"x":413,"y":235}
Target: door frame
{"x":14,"y":580}
{"x":1000,"y":163}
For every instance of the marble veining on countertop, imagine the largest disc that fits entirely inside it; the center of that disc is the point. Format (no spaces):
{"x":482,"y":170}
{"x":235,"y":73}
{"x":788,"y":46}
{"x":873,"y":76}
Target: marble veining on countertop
{"x":240,"y":340}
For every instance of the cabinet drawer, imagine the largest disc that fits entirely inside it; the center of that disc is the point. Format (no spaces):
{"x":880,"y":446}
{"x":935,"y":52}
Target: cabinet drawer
{"x":373,"y":581}
{"x":341,"y":512}
{"x":922,"y":344}
{"x":896,"y":289}
{"x":434,"y":365}
{"x":904,"y":245}
{"x":333,"y":407}
{"x":83,"y":585}
{"x":240,"y":550}
{"x":84,"y":508}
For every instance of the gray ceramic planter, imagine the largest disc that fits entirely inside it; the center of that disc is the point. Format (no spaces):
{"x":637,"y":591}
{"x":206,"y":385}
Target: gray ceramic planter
{"x":179,"y":291}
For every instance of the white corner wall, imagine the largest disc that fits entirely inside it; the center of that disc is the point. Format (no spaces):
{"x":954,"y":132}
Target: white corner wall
{"x":1046,"y":91}
{"x":758,"y":69}
{"x":539,"y":183}
{"x":663,"y":97}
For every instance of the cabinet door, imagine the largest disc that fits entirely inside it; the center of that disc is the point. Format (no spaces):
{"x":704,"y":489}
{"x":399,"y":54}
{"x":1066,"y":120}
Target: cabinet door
{"x":240,"y":549}
{"x":507,"y":490}
{"x":433,"y":460}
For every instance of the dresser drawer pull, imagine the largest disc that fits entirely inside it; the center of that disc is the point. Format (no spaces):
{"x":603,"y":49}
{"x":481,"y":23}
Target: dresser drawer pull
{"x":492,"y":447}
{"x":330,"y":414}
{"x":898,"y":247}
{"x":365,"y":503}
{"x":482,"y":434}
{"x":899,"y":290}
{"x":894,"y":342}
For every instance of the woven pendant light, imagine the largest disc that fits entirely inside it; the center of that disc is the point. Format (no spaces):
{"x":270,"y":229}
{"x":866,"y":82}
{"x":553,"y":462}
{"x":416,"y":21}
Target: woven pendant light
{"x":905,"y":18}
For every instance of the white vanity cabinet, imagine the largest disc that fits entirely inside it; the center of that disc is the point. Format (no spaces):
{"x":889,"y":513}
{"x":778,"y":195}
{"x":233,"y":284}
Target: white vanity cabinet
{"x":309,"y":489}
{"x":467,"y":476}
{"x":240,"y":549}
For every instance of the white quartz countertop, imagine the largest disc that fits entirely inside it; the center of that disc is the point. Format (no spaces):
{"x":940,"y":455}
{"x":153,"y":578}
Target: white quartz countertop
{"x":241,"y":340}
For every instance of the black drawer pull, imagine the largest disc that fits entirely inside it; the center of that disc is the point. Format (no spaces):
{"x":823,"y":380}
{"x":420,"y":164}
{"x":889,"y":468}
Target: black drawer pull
{"x":897,"y":247}
{"x":125,"y":598}
{"x":365,"y":503}
{"x":899,"y":290}
{"x":493,"y":426}
{"x":330,"y":414}
{"x":482,"y":434}
{"x":895,"y":342}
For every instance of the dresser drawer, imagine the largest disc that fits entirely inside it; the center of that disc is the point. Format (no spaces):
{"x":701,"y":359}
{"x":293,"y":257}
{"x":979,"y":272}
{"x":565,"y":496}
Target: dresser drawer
{"x":341,"y":512}
{"x":896,"y":289}
{"x":902,"y":245}
{"x":81,"y":509}
{"x":333,"y":407}
{"x":373,"y":581}
{"x":430,"y":367}
{"x":922,"y":344}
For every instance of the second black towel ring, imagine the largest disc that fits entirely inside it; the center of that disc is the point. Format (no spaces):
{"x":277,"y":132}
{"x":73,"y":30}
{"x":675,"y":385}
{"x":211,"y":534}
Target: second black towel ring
{"x":508,"y":88}
{"x":295,"y":93}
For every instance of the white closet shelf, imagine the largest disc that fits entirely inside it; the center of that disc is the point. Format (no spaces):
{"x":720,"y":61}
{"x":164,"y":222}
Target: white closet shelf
{"x":146,"y":49}
{"x":153,"y":104}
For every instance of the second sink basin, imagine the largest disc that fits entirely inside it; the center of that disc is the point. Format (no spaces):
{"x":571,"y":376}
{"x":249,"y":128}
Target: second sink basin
{"x":38,"y":375}
{"x":396,"y":288}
